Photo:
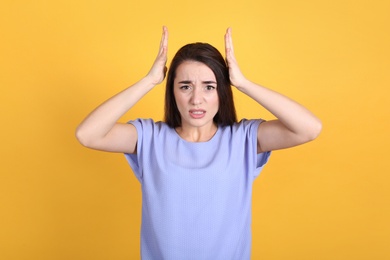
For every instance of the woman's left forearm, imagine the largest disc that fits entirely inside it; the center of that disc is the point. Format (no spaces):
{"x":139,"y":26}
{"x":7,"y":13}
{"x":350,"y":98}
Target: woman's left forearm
{"x":295,"y":117}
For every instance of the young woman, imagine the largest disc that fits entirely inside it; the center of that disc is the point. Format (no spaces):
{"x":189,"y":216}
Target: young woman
{"x":197,"y":167}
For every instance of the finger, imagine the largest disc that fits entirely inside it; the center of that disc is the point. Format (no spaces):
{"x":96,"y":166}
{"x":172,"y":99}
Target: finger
{"x":230,"y":39}
{"x":227,"y":42}
{"x":164,"y":41}
{"x":229,"y":46}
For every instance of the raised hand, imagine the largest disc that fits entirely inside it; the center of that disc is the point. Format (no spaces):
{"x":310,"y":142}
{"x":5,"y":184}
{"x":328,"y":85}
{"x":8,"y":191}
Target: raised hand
{"x":237,"y":79}
{"x":158,"y":71}
{"x":101,"y":130}
{"x":294,"y":125}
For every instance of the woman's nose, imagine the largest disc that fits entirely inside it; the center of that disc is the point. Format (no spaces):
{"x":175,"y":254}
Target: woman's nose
{"x":196,"y":97}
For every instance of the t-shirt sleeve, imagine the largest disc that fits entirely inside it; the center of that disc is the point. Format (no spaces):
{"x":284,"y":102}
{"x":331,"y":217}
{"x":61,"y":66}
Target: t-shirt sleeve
{"x":261,"y":158}
{"x":135,"y":160}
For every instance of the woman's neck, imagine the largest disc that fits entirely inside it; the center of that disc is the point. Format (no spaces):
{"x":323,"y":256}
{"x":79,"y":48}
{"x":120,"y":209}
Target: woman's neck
{"x":197,"y":134}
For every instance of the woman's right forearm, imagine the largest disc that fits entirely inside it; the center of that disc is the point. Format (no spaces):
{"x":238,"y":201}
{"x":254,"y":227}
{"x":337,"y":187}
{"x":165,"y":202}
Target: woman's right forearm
{"x":98,"y":124}
{"x":101,"y":120}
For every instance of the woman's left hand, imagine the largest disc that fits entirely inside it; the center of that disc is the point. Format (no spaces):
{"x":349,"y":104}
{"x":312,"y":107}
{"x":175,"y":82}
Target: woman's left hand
{"x":237,"y":79}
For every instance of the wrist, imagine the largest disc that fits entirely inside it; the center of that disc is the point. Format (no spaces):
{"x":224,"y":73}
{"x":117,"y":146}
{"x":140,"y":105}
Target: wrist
{"x":244,"y":84}
{"x":149,"y":81}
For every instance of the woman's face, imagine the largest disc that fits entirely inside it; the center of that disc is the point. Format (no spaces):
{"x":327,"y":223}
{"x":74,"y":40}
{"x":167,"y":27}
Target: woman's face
{"x":195,"y":91}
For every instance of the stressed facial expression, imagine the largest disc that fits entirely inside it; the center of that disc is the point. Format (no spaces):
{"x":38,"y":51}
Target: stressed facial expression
{"x":195,"y":90}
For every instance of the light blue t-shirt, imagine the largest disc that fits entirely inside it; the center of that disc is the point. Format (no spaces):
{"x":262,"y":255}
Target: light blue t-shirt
{"x":196,"y":196}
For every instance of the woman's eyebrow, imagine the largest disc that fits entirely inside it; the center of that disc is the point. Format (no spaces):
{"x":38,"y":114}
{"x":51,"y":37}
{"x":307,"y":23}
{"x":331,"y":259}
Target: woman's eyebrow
{"x":185,"y":82}
{"x":204,"y":82}
{"x":209,"y":82}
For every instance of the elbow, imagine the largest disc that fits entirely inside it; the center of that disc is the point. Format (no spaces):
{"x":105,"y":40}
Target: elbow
{"x":314,"y":130}
{"x":82,"y":137}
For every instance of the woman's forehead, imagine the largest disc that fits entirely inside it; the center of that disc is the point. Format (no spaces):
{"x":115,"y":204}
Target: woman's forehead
{"x":194,"y":70}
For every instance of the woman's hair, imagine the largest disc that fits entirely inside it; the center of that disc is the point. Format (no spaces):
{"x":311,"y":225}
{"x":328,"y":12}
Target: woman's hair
{"x":212,"y":58}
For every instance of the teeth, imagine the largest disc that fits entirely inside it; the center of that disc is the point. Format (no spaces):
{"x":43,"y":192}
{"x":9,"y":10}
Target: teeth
{"x":197,"y":112}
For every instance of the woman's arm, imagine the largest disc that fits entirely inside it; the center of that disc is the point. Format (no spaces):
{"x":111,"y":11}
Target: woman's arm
{"x":100,"y":129}
{"x":294,"y":125}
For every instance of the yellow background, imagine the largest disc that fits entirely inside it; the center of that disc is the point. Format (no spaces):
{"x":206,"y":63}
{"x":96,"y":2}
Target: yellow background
{"x":328,"y":199}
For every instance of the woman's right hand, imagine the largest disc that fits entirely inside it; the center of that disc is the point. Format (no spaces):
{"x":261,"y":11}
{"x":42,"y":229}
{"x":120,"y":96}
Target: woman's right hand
{"x":158,"y":71}
{"x":101,"y":130}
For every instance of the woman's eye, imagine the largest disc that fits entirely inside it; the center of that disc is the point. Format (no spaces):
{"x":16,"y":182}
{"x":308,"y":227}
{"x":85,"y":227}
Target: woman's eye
{"x":185,"y":87}
{"x":210,"y":87}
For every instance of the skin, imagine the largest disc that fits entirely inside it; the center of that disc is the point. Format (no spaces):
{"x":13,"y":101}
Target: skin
{"x":294,"y":124}
{"x":195,"y":91}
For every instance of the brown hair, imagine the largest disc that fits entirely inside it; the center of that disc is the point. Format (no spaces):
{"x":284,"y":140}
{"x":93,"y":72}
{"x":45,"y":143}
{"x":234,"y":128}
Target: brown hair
{"x":212,"y":58}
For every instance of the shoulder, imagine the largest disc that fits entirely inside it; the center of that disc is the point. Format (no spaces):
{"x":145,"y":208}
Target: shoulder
{"x":148,"y":126}
{"x":247,"y":124}
{"x":245,"y":129}
{"x":148,"y":123}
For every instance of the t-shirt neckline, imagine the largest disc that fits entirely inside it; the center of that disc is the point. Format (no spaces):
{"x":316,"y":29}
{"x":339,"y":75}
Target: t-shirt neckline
{"x":189,"y":142}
